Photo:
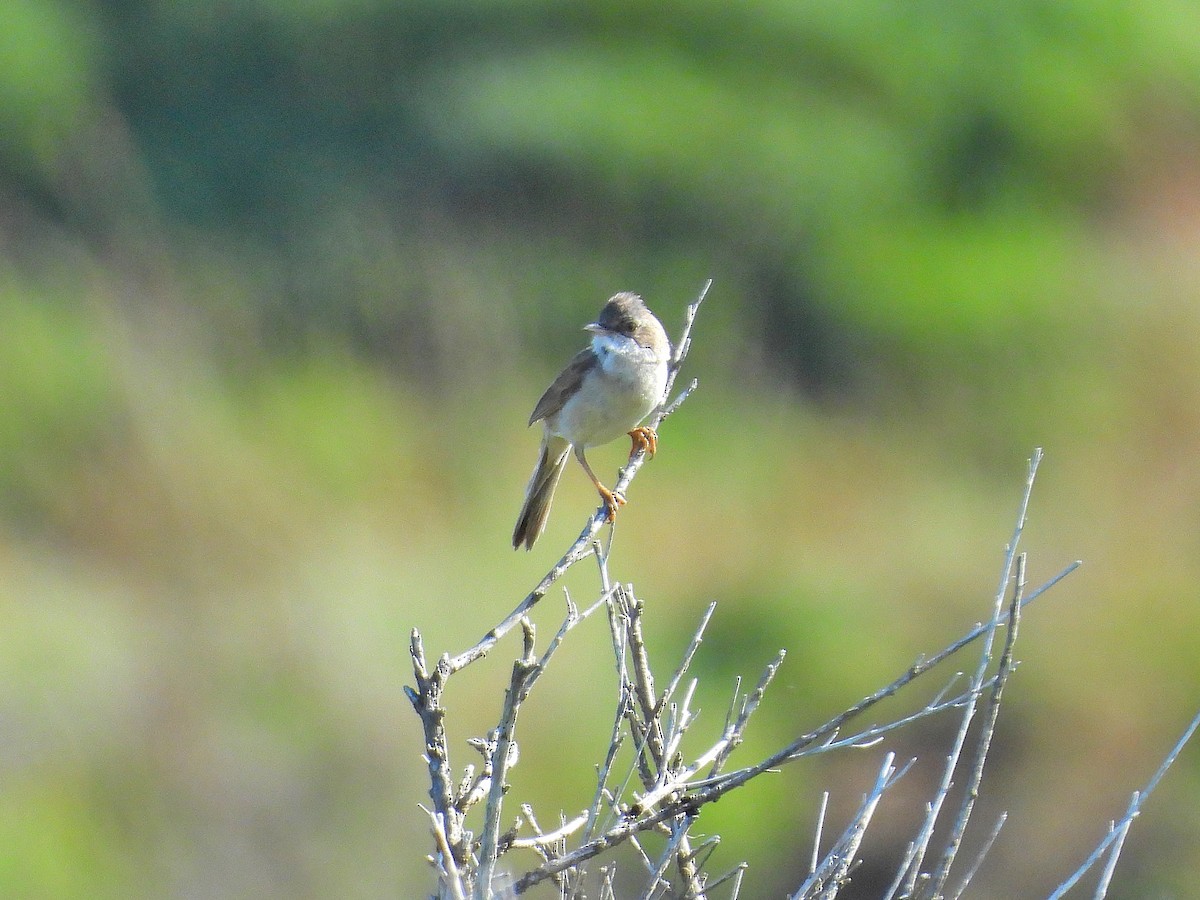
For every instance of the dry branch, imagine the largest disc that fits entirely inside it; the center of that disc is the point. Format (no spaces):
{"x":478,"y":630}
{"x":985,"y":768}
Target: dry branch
{"x":649,"y":794}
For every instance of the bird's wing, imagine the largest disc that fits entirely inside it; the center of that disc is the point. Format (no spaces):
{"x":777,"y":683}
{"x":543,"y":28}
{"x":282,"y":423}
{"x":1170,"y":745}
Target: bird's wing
{"x":565,"y":385}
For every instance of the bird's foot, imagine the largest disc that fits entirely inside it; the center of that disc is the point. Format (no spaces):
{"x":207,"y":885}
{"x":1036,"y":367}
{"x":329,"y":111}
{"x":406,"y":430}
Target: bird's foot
{"x":612,"y":502}
{"x":643,"y":438}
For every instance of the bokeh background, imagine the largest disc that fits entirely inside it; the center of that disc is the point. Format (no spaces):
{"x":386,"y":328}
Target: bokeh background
{"x":280,"y":281}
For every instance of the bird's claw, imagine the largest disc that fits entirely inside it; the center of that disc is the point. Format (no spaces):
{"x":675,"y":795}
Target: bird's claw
{"x":613,"y":500}
{"x":644,"y":438}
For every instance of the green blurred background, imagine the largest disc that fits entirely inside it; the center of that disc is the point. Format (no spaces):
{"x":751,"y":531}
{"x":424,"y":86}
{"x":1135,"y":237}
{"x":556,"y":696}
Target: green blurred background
{"x":280,"y":281}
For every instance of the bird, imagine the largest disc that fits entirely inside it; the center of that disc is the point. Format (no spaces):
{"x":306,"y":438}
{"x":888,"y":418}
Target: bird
{"x":605,"y":391}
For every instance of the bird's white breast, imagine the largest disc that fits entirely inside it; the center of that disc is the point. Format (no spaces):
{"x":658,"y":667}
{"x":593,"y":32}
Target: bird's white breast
{"x":616,"y":395}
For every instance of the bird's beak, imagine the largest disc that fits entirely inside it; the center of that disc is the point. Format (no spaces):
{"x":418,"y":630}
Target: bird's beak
{"x":595,"y":328}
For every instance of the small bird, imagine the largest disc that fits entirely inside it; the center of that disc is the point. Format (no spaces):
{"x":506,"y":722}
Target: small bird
{"x":604,"y":392}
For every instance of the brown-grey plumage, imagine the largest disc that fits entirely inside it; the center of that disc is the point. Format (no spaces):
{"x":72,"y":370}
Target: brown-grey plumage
{"x":566,"y":384}
{"x":604,"y":392}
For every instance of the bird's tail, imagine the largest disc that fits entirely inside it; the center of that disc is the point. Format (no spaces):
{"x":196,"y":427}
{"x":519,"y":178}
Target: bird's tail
{"x":540,"y":493}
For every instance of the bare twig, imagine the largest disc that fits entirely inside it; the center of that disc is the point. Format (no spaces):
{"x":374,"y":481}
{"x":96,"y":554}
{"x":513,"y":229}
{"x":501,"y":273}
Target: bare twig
{"x":691,"y":796}
{"x":1116,"y":833}
{"x":979,"y":857}
{"x":427,"y":701}
{"x":656,"y":756}
{"x":816,"y":852}
{"x":733,"y":734}
{"x":959,"y":827}
{"x":542,"y":839}
{"x":832,"y":727}
{"x":910,"y":866}
{"x":1114,"y":853}
{"x":449,"y":877}
{"x":830,"y":874}
{"x":663,"y":792}
{"x":680,"y":797}
{"x":678,"y":834}
{"x":524,"y":671}
{"x":916,"y":670}
{"x":688,"y":654}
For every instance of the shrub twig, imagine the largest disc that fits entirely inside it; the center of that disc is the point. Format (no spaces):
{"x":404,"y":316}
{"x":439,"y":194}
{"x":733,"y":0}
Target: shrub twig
{"x":1117,"y":831}
{"x":649,"y":794}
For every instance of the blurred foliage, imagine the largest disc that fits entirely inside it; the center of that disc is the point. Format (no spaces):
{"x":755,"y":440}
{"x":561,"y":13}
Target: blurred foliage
{"x":280,"y":280}
{"x":907,"y":173}
{"x":47,"y":83}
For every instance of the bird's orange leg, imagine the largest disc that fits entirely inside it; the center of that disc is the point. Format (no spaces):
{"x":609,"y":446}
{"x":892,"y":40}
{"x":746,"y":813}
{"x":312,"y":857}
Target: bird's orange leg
{"x":612,"y":500}
{"x":643,"y":438}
